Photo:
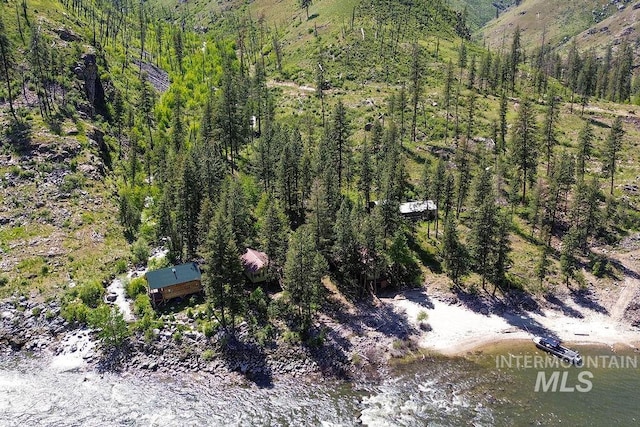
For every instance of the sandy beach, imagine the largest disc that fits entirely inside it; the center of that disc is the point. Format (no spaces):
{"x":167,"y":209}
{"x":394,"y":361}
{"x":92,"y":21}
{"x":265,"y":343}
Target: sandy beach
{"x":457,"y":329}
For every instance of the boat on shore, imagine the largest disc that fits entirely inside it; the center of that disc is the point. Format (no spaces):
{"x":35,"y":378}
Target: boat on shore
{"x":553,"y":346}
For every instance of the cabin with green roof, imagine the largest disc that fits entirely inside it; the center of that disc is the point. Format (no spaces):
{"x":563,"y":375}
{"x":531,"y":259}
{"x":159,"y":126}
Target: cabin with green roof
{"x":173,"y":282}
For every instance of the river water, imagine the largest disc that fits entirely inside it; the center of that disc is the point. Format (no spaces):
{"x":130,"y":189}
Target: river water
{"x":479,"y":390}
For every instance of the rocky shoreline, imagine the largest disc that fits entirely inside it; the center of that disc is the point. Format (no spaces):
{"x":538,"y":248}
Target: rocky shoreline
{"x":36,"y":328}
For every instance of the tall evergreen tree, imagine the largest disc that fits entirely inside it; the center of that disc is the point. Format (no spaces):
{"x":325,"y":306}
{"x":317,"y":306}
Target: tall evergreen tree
{"x":346,"y":252}
{"x":273,"y":235}
{"x":223,"y":277}
{"x":416,"y":86}
{"x":303,"y":271}
{"x":453,"y":252}
{"x":514,"y":58}
{"x":613,"y":145}
{"x":585,"y":148}
{"x":366,"y":173}
{"x":482,"y":237}
{"x":568,"y":254}
{"x":6,"y":62}
{"x":448,"y":86}
{"x":189,"y":206}
{"x":549,"y":128}
{"x":524,"y":145}
{"x":500,"y":260}
{"x":438,"y":184}
{"x":339,"y":138}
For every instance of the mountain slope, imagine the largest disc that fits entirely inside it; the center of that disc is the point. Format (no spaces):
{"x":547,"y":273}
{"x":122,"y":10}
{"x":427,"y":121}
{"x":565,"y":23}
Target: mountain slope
{"x":479,"y":12}
{"x":555,"y":22}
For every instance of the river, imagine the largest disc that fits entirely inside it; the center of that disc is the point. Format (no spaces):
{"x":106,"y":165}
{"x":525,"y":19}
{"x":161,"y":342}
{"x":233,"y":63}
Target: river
{"x":480,"y":390}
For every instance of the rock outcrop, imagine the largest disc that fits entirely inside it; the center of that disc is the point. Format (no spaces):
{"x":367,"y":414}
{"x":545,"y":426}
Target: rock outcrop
{"x":87,"y":70}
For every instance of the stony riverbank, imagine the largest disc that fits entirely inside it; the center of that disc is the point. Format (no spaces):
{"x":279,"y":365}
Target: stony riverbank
{"x":33,"y":327}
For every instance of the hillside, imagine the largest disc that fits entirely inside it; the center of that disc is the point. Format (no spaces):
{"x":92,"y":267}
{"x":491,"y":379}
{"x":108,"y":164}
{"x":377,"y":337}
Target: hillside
{"x":58,"y":211}
{"x":207,"y":128}
{"x":479,"y":12}
{"x":556,"y":23}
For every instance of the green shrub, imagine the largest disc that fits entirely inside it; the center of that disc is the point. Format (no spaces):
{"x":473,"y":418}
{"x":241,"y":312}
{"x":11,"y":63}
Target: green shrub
{"x":71,"y":182}
{"x":90,"y":293}
{"x":177,"y":336}
{"x":422,"y":316}
{"x":3,"y":281}
{"x":36,"y":311}
{"x":142,"y":306}
{"x":111,"y":326}
{"x":263,"y":335}
{"x":135,"y":287}
{"x":158,"y":263}
{"x":291,"y":337}
{"x":75,"y":311}
{"x":207,"y":355}
{"x":140,"y":250}
{"x":208,"y":329}
{"x":121,"y":266}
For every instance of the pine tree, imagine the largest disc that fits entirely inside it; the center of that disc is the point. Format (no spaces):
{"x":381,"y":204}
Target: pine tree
{"x":500,"y":260}
{"x":346,"y":252}
{"x":438,"y":187}
{"x":568,"y":259}
{"x":234,"y":203}
{"x":339,"y":138}
{"x":514,"y":58}
{"x":372,"y":242}
{"x":453,"y":253}
{"x":319,"y":217}
{"x":448,"y":85}
{"x":612,"y":147}
{"x":147,"y":103}
{"x":303,"y":271}
{"x":542,"y":266}
{"x":177,"y":126}
{"x":463,"y":177}
{"x":416,"y":86}
{"x":524,"y":146}
{"x":366,"y":173}
{"x":273,"y":235}
{"x":585,"y":148}
{"x":6,"y":62}
{"x":288,"y":174}
{"x":189,"y":205}
{"x":502,"y":143}
{"x":482,"y":237}
{"x":549,"y":128}
{"x":304,"y":4}
{"x":401,"y":107}
{"x":223,"y":277}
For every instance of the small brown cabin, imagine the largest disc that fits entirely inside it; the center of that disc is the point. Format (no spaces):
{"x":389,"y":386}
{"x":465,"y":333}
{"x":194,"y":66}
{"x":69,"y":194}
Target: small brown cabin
{"x":173,"y":282}
{"x":255,"y":265}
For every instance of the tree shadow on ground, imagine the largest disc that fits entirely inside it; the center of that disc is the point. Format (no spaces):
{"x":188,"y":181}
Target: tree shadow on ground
{"x":474,"y":301}
{"x":330,"y":353}
{"x":515,"y":308}
{"x":627,"y":272}
{"x":585,"y":298}
{"x":112,"y":360}
{"x":248,"y":359}
{"x":566,"y":310}
{"x":419,"y":296}
{"x":427,"y":259}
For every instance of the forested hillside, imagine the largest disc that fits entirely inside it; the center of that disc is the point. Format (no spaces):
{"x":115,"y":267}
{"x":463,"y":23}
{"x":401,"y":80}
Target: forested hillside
{"x":591,"y":24}
{"x":213,"y":131}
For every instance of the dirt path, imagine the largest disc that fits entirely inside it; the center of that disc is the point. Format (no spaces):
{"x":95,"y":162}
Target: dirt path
{"x":290,"y":85}
{"x":630,"y":265}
